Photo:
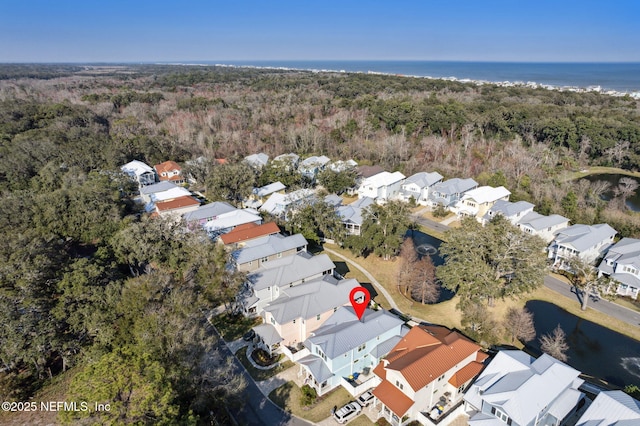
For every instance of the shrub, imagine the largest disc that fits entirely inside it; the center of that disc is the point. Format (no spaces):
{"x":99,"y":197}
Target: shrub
{"x":308,"y":396}
{"x":440,"y":211}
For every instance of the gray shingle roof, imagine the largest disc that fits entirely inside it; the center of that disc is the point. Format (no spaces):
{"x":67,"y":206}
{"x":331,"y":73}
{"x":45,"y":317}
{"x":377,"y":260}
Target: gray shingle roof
{"x":352,"y":213}
{"x":267,"y":246}
{"x":289,"y":269}
{"x":343,"y":331}
{"x":582,"y":237}
{"x":311,"y":298}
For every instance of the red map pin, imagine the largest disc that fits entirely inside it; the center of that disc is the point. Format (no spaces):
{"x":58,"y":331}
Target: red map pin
{"x":359,"y":298}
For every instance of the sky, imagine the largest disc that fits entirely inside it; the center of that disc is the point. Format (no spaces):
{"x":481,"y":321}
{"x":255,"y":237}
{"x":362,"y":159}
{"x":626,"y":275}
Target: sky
{"x":210,"y":30}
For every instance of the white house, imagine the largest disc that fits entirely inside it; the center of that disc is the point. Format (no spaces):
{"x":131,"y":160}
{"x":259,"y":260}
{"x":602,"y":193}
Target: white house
{"x":513,"y":212}
{"x":622,"y":263}
{"x":429,"y":367}
{"x":417,"y":186}
{"x":344,"y":350}
{"x":257,"y":161}
{"x":226,"y":222}
{"x":584,"y":241}
{"x":280,"y":205}
{"x":382,"y":187}
{"x":545,"y":227}
{"x":140,"y":172}
{"x":352,"y":215}
{"x":288,"y":161}
{"x":449,"y":192}
{"x":518,"y":390}
{"x":310,"y":167}
{"x":611,"y":408}
{"x":477,"y":202}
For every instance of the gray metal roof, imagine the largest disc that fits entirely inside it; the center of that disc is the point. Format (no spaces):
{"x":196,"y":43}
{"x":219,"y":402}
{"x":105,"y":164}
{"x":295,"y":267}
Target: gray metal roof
{"x":582,"y":237}
{"x":263,"y":191}
{"x":353,"y":213}
{"x":611,"y":408}
{"x":267,"y":246}
{"x":540,"y":222}
{"x":423,"y":179}
{"x":317,"y":367}
{"x":455,"y":186}
{"x":383,"y":348}
{"x":269,"y":334}
{"x":509,"y":209}
{"x":157,"y":187}
{"x":343,"y":331}
{"x":333,"y":199}
{"x":625,"y":252}
{"x":260,"y":159}
{"x":311,"y":298}
{"x":289,"y":269}
{"x":209,"y":211}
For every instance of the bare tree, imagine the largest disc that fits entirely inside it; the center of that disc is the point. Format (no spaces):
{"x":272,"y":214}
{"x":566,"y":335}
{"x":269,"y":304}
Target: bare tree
{"x":626,"y":188}
{"x":519,"y":324}
{"x":617,"y":152}
{"x":424,"y":287}
{"x":598,"y":188}
{"x":408,"y":258}
{"x":555,"y":344}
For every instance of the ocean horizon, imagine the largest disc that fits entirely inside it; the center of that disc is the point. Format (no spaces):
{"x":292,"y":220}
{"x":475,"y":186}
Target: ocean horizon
{"x":621,"y":77}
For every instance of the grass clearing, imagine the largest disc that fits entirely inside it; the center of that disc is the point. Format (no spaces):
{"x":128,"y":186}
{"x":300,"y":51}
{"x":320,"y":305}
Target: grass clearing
{"x":258,"y":374}
{"x":288,"y":397}
{"x":596,"y":170}
{"x":232,"y":327}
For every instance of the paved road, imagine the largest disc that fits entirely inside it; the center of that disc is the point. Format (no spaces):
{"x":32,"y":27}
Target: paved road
{"x":431,"y":224}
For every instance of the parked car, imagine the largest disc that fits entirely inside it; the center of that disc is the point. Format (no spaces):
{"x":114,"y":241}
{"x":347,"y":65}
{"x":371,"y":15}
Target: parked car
{"x":366,"y":398}
{"x":347,"y":412}
{"x":249,"y":335}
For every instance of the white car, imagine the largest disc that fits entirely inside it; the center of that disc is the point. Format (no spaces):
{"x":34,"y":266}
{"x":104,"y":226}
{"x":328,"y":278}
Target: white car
{"x":366,"y":398}
{"x":347,"y":412}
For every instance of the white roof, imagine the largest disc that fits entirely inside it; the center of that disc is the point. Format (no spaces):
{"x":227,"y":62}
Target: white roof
{"x":170,"y":194}
{"x":136,"y":167}
{"x":383,"y":179}
{"x":277,"y":203}
{"x":261,"y":159}
{"x":269,"y":189}
{"x":315,"y":160}
{"x":611,"y":408}
{"x":582,"y":237}
{"x":289,"y":269}
{"x":232,"y":219}
{"x":486,"y":194}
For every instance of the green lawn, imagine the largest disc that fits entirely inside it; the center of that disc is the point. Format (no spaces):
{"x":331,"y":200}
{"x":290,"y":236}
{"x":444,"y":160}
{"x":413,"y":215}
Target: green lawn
{"x":258,"y":374}
{"x":232,"y":327}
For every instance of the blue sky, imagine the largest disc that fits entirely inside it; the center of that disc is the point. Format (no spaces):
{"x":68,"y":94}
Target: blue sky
{"x":470,"y":30}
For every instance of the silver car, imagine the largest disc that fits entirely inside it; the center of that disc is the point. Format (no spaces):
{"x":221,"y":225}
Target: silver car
{"x":347,"y":412}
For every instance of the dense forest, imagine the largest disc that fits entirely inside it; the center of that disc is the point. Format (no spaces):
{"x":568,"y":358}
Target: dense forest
{"x":89,"y":284}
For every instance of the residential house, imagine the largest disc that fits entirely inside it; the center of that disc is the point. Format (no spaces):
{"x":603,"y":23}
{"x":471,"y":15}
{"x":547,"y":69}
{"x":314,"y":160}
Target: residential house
{"x":622,"y":264}
{"x":265,"y":284}
{"x":226,"y":222}
{"x":449,"y":192}
{"x":140,"y":172}
{"x":513,"y":212}
{"x":425,"y":375}
{"x":519,"y":390}
{"x":259,"y":251}
{"x":417,"y":186}
{"x":161,"y":191}
{"x":341,"y":165}
{"x":280,"y":205}
{"x":584,"y":241}
{"x":545,"y":227}
{"x":257,"y":161}
{"x":242,"y":234}
{"x":260,"y":195}
{"x":310,"y":167}
{"x":477,"y":202}
{"x":362,"y":173}
{"x":611,"y":408}
{"x":176,"y":206}
{"x":352,"y":214}
{"x":333,"y":200}
{"x":207,"y":212}
{"x":169,"y":171}
{"x":344,"y":350}
{"x":300,"y":310}
{"x":290,"y":161}
{"x":382,"y":187}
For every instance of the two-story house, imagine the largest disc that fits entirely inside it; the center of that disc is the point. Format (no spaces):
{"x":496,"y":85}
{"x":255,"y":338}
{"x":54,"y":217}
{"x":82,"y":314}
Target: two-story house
{"x":257,"y":252}
{"x":519,"y":390}
{"x":227,"y":222}
{"x":382,"y":187}
{"x":477,"y":202}
{"x":310,"y":167}
{"x":513,"y":212}
{"x":204,"y":213}
{"x":425,"y":374}
{"x":344,"y":350}
{"x":622,"y":264}
{"x":545,"y":227}
{"x":449,"y":192}
{"x":161,"y":191}
{"x":169,"y":171}
{"x":264,"y":285}
{"x":261,"y":194}
{"x":352,"y":215}
{"x":176,"y":207}
{"x":242,"y":234}
{"x":281,"y":205}
{"x":141,"y":172}
{"x":257,"y":161}
{"x":300,"y":310}
{"x":584,"y":241}
{"x":417,"y":186}
{"x":288,"y":161}
{"x":611,"y":408}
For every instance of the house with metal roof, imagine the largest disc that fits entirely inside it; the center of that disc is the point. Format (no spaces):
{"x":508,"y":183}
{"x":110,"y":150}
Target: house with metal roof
{"x":344,"y":350}
{"x":242,"y":234}
{"x":257,"y":161}
{"x":280,"y":205}
{"x":140,"y":172}
{"x":226,"y":222}
{"x":207,"y":212}
{"x":588,"y":242}
{"x":265,"y":284}
{"x":259,"y":251}
{"x":289,"y":161}
{"x":310,"y":167}
{"x":169,"y":171}
{"x":518,"y":390}
{"x":477,"y":202}
{"x":161,"y":191}
{"x":425,"y":375}
{"x":611,"y":408}
{"x":449,"y":192}
{"x":300,"y":310}
{"x":352,"y":214}
{"x":622,"y":264}
{"x":176,"y":206}
{"x":382,"y":187}
{"x":545,"y":227}
{"x":417,"y":186}
{"x":513,"y":212}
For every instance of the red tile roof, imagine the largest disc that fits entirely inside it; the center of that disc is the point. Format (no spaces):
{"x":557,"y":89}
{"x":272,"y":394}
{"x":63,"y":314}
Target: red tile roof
{"x":176,"y":203}
{"x":393,"y":398}
{"x":243,"y":233}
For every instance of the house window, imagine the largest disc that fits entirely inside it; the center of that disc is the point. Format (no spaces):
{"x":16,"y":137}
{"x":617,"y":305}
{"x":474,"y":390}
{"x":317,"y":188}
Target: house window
{"x":502,"y":416}
{"x":273,"y":321}
{"x":335,"y":309}
{"x":441,"y":377}
{"x":279,"y":255}
{"x":294,"y":321}
{"x":264,"y":259}
{"x":361,"y":347}
{"x":399,"y":385}
{"x":318,"y":317}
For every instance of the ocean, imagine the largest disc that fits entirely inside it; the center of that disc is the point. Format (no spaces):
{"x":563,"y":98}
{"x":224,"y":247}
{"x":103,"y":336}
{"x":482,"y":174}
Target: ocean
{"x":618,"y":77}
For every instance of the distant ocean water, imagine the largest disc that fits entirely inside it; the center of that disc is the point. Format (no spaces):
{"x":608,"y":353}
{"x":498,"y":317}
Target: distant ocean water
{"x":619,"y":77}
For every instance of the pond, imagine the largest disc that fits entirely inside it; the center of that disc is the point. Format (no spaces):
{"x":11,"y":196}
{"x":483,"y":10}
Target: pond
{"x":426,"y":245}
{"x":594,"y":350}
{"x":633,"y":202}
